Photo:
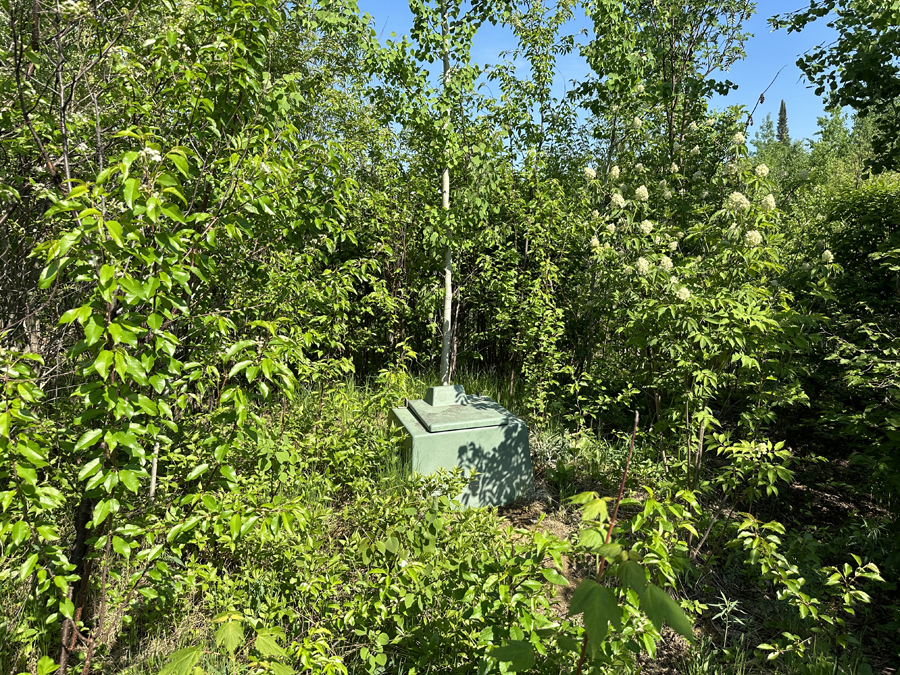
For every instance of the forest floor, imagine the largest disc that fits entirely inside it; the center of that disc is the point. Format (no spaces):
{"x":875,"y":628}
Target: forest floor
{"x":822,"y":504}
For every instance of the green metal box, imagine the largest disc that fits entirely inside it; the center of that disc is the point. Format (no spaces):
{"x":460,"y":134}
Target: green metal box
{"x":449,"y":428}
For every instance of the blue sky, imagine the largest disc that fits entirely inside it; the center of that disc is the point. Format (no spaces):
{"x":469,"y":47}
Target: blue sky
{"x":766,"y":54}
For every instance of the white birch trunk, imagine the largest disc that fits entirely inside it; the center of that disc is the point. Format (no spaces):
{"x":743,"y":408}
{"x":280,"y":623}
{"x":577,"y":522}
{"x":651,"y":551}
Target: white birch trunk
{"x":448,"y":255}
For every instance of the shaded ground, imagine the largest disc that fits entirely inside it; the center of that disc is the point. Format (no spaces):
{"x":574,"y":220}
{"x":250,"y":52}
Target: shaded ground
{"x":819,"y":503}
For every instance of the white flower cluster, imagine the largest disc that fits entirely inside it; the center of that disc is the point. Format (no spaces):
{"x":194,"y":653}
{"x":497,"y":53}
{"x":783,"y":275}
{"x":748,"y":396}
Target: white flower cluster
{"x":704,"y":195}
{"x":666,"y":264}
{"x":638,"y":167}
{"x":753,"y":238}
{"x":667,"y":194}
{"x":673,"y":168}
{"x":614,"y":172}
{"x":768,"y":202}
{"x":150,"y":154}
{"x":642,"y":194}
{"x":595,"y":214}
{"x":692,"y":126}
{"x":663,"y":183}
{"x":618,"y":201}
{"x":710,"y":122}
{"x":683,"y":294}
{"x":640,"y":89}
{"x":595,"y":243}
{"x":737,"y":202}
{"x":646,"y":227}
{"x":673,"y":245}
{"x":738,"y":139}
{"x":589,"y":173}
{"x":695,"y":150}
{"x":611,"y":228}
{"x":642,"y":266}
{"x":827,"y":256}
{"x":638,"y":122}
{"x":676,"y":146}
{"x":762,"y":171}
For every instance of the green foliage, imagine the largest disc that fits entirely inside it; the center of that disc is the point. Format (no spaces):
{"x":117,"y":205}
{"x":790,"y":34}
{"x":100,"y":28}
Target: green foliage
{"x":859,"y":68}
{"x":220,"y":229}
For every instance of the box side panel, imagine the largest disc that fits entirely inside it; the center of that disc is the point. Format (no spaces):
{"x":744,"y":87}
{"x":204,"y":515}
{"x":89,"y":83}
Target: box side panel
{"x":503,"y":460}
{"x":500,"y":454}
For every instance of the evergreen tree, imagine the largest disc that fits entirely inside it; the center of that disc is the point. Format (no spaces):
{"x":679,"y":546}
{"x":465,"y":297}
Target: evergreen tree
{"x":783,"y":135}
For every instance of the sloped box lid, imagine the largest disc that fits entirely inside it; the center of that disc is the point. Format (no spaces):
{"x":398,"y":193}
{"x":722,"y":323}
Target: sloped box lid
{"x":449,"y":408}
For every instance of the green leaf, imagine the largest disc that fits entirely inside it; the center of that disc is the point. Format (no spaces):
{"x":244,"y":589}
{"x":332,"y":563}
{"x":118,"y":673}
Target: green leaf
{"x":610,"y":550}
{"x":32,"y":455}
{"x":101,"y":511}
{"x":132,"y":191}
{"x":266,"y":645}
{"x":20,"y":531}
{"x":230,"y":635}
{"x":660,"y":608}
{"x":93,"y":328}
{"x":182,"y":661}
{"x":121,"y":547}
{"x":554,"y":577}
{"x":518,"y":653}
{"x":595,"y":508}
{"x":173,"y":212}
{"x":87,"y":439}
{"x":197,"y":470}
{"x":600,"y":608}
{"x":632,"y":576}
{"x":180,"y":163}
{"x":102,"y":363}
{"x":129,"y":480}
{"x":48,"y":274}
{"x":46,"y":665}
{"x":238,"y":367}
{"x":47,"y":532}
{"x":70,"y":315}
{"x":591,"y":538}
{"x":281,"y":668}
{"x":27,"y":473}
{"x":236,"y":347}
{"x":28,"y":567}
{"x":90,"y":468}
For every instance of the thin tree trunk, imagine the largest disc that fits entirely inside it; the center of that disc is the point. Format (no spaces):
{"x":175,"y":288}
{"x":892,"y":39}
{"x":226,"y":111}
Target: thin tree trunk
{"x":448,"y":255}
{"x":153,"y":468}
{"x":82,"y":517}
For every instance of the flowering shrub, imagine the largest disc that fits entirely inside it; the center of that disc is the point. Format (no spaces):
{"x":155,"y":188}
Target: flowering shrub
{"x":737,"y":202}
{"x":753,"y":238}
